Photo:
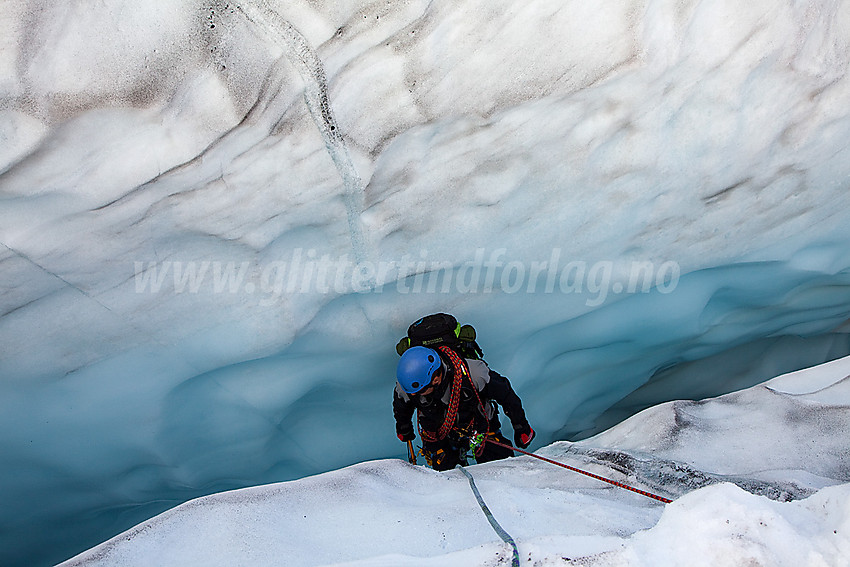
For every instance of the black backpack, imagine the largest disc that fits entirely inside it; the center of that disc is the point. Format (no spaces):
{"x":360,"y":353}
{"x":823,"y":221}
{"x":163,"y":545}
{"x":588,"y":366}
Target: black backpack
{"x":441,"y":329}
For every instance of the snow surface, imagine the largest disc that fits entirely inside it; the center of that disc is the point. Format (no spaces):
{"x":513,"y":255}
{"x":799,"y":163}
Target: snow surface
{"x":725,"y":512}
{"x":217,"y":219}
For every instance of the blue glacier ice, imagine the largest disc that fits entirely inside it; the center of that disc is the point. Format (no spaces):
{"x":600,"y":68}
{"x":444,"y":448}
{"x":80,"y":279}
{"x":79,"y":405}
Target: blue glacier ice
{"x":217,"y":219}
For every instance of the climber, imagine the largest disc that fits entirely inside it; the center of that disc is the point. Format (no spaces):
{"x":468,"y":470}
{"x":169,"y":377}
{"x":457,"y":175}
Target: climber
{"x":456,"y":398}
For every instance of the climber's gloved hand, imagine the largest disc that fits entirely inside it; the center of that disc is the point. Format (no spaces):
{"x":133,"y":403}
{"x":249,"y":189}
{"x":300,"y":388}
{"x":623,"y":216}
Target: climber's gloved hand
{"x":523,"y":436}
{"x":405,"y":432}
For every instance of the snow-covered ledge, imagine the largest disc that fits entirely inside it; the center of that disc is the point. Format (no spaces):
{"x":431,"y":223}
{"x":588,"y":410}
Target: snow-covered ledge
{"x":759,"y":475}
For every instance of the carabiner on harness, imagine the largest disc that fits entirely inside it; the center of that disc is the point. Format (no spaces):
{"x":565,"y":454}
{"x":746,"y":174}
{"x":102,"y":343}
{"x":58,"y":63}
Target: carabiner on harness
{"x":475,"y":441}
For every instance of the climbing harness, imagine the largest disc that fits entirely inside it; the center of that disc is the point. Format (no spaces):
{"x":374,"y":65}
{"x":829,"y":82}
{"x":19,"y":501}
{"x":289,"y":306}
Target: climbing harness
{"x":496,"y":527}
{"x":574,"y":469}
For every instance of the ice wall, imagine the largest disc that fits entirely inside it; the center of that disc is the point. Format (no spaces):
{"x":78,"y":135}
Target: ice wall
{"x":209,"y":246}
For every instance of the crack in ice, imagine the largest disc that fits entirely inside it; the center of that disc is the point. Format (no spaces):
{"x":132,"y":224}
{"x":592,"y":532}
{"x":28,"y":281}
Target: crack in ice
{"x":312,"y":71}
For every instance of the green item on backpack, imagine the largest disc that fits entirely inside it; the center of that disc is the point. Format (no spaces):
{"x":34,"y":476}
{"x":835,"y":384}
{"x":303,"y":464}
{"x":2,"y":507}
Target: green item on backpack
{"x":441,"y":329}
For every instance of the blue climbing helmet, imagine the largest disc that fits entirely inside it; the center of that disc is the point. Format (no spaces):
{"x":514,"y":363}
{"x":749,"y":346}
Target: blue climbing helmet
{"x":416,"y":367}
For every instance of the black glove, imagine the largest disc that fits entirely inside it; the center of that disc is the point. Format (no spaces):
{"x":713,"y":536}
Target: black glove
{"x":523,"y":436}
{"x":405,"y":432}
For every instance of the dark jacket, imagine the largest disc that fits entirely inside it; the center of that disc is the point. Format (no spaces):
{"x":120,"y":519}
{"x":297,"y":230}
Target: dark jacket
{"x":491,"y":386}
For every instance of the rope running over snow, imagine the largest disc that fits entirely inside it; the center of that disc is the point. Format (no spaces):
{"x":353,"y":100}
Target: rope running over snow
{"x":590,"y":474}
{"x":499,"y":530}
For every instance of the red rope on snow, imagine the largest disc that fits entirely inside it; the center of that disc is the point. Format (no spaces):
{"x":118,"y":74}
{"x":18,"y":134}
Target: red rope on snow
{"x":591,"y":475}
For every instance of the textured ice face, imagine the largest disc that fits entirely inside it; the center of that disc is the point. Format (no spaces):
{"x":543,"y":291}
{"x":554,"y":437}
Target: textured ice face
{"x":210,"y":244}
